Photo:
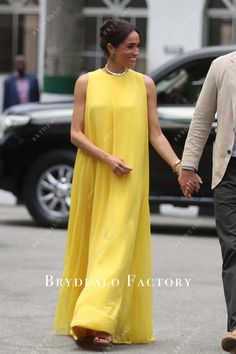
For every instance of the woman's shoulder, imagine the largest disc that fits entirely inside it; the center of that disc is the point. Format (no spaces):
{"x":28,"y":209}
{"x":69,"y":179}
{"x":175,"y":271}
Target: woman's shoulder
{"x":135,"y":73}
{"x":83,"y":78}
{"x":149,"y":83}
{"x":81,"y":82}
{"x":94,"y":73}
{"x":147,"y":79}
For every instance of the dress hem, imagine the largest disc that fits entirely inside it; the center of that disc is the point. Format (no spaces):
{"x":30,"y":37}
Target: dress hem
{"x":114,"y":341}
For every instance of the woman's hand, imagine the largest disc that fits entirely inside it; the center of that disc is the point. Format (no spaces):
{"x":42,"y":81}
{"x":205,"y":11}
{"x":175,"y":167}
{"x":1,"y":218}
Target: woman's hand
{"x":189,"y":182}
{"x":177,"y":169}
{"x":117,"y":165}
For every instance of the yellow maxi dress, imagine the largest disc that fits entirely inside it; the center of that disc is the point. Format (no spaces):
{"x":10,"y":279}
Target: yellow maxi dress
{"x":107,"y":277}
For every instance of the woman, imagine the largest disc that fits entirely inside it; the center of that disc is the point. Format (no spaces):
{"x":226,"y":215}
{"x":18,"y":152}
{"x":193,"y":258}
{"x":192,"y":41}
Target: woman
{"x":108,"y":247}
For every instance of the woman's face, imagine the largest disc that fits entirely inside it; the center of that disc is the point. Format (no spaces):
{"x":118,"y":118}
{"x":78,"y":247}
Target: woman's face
{"x":127,"y":51}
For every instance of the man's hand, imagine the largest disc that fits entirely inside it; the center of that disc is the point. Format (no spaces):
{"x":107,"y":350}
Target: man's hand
{"x":189,"y":182}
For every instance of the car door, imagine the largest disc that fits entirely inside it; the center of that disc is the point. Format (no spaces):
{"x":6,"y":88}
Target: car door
{"x":177,"y":93}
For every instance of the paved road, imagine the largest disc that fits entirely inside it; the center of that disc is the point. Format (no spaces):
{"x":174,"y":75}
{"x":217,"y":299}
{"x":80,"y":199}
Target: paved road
{"x":187,"y":320}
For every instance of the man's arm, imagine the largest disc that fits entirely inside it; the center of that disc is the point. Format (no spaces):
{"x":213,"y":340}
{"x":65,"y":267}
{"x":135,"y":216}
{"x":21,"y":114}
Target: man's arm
{"x":199,"y":131}
{"x":201,"y":123}
{"x":5,"y":96}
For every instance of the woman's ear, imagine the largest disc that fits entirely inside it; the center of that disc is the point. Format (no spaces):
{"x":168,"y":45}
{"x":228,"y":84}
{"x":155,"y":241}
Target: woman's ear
{"x":110,"y":49}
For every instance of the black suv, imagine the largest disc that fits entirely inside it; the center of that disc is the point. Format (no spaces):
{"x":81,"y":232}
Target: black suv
{"x":37,"y":158}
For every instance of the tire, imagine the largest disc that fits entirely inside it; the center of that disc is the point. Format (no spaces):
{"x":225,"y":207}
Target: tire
{"x":47,"y":188}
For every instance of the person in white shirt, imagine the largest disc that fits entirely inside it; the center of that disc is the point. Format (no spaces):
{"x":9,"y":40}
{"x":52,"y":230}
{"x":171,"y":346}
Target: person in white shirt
{"x":218,"y":95}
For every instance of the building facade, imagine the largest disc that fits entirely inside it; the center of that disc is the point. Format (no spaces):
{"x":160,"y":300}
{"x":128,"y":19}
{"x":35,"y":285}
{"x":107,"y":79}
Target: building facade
{"x":60,"y":38}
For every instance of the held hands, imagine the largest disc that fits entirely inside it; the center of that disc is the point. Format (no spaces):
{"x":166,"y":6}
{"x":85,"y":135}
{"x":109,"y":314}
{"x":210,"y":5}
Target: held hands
{"x":177,"y":169}
{"x":118,"y":166}
{"x":189,"y":182}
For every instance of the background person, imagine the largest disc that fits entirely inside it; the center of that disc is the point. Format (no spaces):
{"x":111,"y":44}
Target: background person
{"x":20,"y":87}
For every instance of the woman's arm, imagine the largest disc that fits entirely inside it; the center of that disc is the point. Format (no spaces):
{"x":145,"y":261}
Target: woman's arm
{"x":156,"y":137}
{"x":77,"y":124}
{"x":78,"y":138}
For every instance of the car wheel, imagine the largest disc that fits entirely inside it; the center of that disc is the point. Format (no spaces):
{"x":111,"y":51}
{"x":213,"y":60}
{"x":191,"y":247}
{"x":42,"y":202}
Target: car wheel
{"x":48,"y":186}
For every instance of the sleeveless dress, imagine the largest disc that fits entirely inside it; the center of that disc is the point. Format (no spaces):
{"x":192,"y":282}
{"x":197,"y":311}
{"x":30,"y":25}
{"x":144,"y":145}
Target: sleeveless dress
{"x":106,"y":283}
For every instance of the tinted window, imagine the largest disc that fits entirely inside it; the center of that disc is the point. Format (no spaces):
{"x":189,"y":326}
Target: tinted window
{"x":183,"y":85}
{"x":217,"y":4}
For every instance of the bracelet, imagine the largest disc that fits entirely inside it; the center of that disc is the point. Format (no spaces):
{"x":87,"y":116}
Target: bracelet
{"x":188,"y":168}
{"x":177,"y":162}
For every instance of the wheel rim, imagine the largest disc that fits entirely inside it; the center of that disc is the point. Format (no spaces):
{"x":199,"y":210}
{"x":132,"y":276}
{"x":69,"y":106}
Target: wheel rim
{"x":53,"y":191}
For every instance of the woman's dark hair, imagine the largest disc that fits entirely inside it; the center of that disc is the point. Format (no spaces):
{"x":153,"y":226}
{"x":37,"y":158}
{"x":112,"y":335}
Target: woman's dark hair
{"x":114,"y":31}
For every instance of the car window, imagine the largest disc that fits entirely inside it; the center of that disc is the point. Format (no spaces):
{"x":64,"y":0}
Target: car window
{"x":183,"y":85}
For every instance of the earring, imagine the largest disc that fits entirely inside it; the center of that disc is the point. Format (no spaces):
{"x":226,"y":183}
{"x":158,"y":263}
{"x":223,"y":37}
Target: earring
{"x":112,"y":58}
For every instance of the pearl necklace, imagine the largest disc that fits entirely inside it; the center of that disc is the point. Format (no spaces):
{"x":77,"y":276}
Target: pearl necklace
{"x":116,"y":74}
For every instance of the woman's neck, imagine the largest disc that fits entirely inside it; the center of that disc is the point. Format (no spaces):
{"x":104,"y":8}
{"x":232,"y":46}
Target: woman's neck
{"x":116,"y":68}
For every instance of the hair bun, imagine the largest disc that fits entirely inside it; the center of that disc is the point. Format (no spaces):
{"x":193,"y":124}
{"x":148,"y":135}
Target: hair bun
{"x":114,"y":31}
{"x":109,"y":26}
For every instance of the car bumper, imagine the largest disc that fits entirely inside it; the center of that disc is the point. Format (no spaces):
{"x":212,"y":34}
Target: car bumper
{"x":181,"y":201}
{"x":6,"y":182}
{"x":1,"y":161}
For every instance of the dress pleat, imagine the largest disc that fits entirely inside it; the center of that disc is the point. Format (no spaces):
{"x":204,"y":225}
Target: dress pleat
{"x":108,"y":259}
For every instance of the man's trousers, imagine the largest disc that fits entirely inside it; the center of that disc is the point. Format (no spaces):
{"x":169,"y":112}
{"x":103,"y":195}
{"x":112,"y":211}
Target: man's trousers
{"x":225,"y":214}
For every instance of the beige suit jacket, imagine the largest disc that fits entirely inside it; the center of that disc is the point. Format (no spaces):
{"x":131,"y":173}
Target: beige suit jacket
{"x":218,"y":94}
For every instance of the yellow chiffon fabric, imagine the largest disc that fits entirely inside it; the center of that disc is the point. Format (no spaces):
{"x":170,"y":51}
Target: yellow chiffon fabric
{"x":106,"y":281}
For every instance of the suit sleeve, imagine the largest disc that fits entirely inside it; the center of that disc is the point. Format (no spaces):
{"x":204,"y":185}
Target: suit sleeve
{"x":201,"y":123}
{"x":36,"y":90}
{"x":5,"y":96}
{"x":34,"y":94}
